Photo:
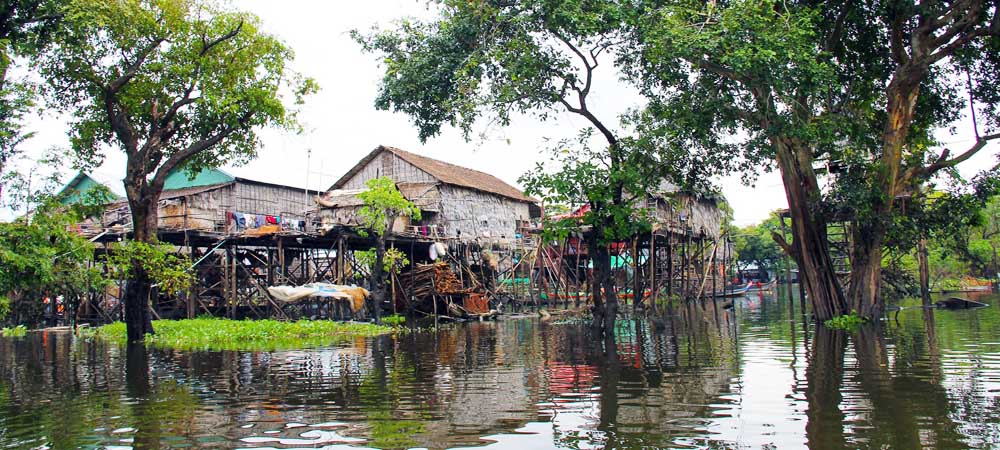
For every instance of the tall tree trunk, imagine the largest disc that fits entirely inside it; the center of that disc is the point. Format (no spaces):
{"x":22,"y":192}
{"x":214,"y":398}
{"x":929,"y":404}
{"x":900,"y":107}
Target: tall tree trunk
{"x":601,"y":260}
{"x":869,"y":230}
{"x":809,"y":246}
{"x":866,"y":270}
{"x":138,"y":290}
{"x":378,"y":279}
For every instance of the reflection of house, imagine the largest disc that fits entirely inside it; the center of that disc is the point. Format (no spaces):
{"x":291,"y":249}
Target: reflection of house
{"x":454,"y":201}
{"x":211,"y":200}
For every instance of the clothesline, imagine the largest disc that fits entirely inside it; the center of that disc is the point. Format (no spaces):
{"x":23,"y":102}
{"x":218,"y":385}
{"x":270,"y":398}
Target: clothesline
{"x":246,"y":221}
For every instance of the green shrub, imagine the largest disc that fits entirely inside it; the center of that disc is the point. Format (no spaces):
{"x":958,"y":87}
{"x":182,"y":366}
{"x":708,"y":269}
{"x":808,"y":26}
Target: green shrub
{"x":394,"y":320}
{"x":846,"y":322}
{"x":18,"y":331}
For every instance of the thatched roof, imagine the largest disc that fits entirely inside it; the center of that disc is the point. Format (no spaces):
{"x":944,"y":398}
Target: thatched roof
{"x":444,"y":172}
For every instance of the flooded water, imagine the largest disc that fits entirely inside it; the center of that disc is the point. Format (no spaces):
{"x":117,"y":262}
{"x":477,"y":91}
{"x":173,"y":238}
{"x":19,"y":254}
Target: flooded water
{"x":701,"y":377}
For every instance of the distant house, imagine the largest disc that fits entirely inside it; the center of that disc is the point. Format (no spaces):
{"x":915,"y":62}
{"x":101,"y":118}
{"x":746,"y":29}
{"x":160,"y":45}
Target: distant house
{"x":78,"y":188}
{"x":212,"y":201}
{"x":683,"y":212}
{"x":455,"y":202}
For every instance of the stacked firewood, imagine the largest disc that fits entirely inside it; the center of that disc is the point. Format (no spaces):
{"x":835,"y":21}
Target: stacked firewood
{"x":428,"y":279}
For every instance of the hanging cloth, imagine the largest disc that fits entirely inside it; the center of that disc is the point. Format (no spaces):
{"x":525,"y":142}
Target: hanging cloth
{"x":433,"y":252}
{"x":270,"y":220}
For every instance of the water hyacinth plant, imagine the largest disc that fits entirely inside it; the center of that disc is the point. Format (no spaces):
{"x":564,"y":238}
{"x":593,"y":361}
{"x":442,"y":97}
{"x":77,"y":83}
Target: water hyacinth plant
{"x":249,"y":335}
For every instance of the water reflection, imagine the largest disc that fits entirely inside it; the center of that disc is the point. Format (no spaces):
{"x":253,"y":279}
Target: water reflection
{"x":698,"y":375}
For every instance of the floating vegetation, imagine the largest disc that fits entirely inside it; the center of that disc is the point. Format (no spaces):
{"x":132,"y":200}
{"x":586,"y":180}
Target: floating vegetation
{"x":18,"y":331}
{"x":251,"y":335}
{"x":394,"y":320}
{"x":845,"y":322}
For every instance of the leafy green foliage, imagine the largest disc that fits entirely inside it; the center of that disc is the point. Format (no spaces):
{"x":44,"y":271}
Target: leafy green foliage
{"x":853,"y":90}
{"x":40,"y":256}
{"x":394,"y":320}
{"x":185,"y":70}
{"x":585,"y":176}
{"x":487,"y":59}
{"x":393,"y":262}
{"x":383,"y":204}
{"x":246,"y":335}
{"x":846,"y":322}
{"x":167,"y":269}
{"x":26,"y":26}
{"x":754,"y":246}
{"x":18,"y":331}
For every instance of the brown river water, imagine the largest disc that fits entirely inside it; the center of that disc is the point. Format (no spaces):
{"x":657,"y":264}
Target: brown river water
{"x":698,"y":376}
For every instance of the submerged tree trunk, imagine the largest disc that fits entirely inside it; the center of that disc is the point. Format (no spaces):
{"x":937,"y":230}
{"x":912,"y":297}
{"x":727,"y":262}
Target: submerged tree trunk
{"x":866,"y":270}
{"x":378,"y":279}
{"x":601,"y":260}
{"x":809,"y":246}
{"x":138,"y":290}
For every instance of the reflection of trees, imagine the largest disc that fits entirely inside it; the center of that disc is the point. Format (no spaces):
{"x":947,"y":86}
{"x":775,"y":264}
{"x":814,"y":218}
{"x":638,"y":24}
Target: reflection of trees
{"x":660,"y":379}
{"x":910,"y":408}
{"x":824,"y":374}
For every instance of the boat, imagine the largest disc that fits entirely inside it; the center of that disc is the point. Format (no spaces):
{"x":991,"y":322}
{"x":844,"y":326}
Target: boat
{"x":736,"y":292}
{"x":762,"y":287}
{"x":959,"y":303}
{"x":984,"y":288}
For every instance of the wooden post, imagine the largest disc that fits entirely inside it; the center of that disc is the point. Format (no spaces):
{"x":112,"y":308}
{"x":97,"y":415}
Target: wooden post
{"x":392,"y":282}
{"x":670,"y":267}
{"x":715,"y":249}
{"x":270,"y":264}
{"x":636,"y":279}
{"x":340,"y":258}
{"x":192,"y":291}
{"x":283,"y":276}
{"x":653,"y":289}
{"x":925,"y":292}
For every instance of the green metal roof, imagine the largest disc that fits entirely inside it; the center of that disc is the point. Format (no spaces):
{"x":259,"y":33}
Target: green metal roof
{"x":180,"y":179}
{"x":78,"y":187}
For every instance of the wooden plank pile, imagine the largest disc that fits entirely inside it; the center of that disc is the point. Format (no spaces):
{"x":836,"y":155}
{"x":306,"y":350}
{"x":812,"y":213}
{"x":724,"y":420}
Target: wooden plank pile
{"x":429,"y":279}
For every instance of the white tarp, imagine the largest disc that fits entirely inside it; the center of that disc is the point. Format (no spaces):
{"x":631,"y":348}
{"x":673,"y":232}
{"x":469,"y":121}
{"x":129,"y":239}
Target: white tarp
{"x":290,"y":294}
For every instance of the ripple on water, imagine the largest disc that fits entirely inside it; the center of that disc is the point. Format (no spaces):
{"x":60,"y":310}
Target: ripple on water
{"x":756,"y":378}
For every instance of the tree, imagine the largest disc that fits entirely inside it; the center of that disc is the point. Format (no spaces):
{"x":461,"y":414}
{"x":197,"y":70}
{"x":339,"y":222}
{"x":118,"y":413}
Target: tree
{"x":754,"y":247}
{"x":857,"y":86}
{"x":489,"y":60}
{"x":26,"y":27}
{"x":172,"y":84}
{"x":40,"y":257}
{"x":383,"y":204}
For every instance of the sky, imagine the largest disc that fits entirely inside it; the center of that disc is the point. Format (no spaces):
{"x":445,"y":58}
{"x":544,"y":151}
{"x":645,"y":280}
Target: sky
{"x":342,"y":124}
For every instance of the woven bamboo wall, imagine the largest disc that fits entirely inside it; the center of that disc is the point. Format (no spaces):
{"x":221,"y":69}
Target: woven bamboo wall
{"x":392,"y":166}
{"x":479,"y":215}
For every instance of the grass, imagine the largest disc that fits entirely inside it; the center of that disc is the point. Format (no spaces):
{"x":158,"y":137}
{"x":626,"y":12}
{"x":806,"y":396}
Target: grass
{"x":845,"y":322}
{"x":18,"y":331}
{"x":251,"y":335}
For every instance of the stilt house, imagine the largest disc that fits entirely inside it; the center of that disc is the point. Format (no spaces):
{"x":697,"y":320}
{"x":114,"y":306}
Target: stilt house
{"x":214,"y":201}
{"x":455,"y":202}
